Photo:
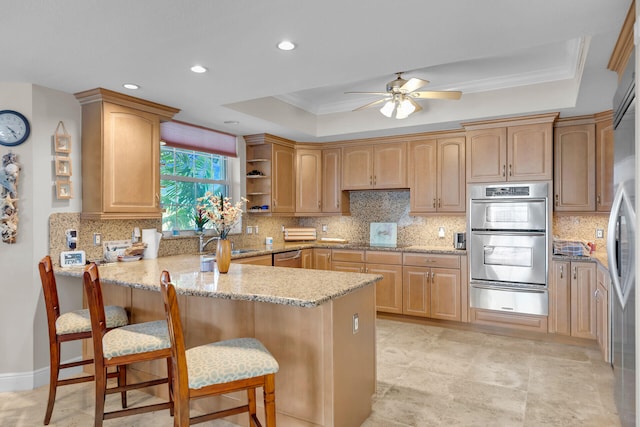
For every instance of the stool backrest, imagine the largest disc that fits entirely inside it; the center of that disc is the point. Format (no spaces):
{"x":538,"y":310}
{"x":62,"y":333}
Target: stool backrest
{"x":93,"y":289}
{"x":172,"y":311}
{"x":50,"y":293}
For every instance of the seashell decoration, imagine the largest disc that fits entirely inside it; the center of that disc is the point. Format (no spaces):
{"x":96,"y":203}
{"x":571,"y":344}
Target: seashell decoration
{"x":9,"y":174}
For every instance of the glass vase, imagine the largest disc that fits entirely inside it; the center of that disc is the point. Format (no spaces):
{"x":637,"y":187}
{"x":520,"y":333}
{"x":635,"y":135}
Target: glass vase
{"x":223,"y":255}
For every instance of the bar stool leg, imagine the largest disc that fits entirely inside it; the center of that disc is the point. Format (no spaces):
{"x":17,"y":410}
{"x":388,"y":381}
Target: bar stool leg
{"x":122,"y":381}
{"x":53,"y":380}
{"x":101,"y":388}
{"x":270,"y":399}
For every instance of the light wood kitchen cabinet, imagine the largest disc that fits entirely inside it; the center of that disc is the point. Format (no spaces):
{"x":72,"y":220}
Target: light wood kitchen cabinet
{"x":120,"y":155}
{"x":604,"y":161}
{"x":322,"y":258}
{"x":334,"y":200}
{"x":574,"y":168}
{"x":308,"y":181}
{"x":437,"y":175}
{"x":255,"y":260}
{"x":307,"y":258}
{"x":572,"y":308}
{"x":602,"y":311}
{"x":379,"y":166}
{"x":433,"y":291}
{"x":515,"y":149}
{"x":270,"y":174}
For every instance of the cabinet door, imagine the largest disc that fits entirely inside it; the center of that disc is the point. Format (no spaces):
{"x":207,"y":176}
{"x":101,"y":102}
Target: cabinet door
{"x":415,"y":290}
{"x":560,"y":298}
{"x":255,"y":260}
{"x":445,"y":294}
{"x":530,"y":152}
{"x":389,"y":289}
{"x":574,"y":168}
{"x":331,"y":174}
{"x":451,"y":175}
{"x":422,"y":175}
{"x":583,"y":304}
{"x":283,"y":184}
{"x":357,"y":168}
{"x":308,"y":181}
{"x":307,"y":258}
{"x":390,"y":165}
{"x":321,"y":259}
{"x":602,"y":312}
{"x":487,"y":155}
{"x":131,"y":174}
{"x":604,"y":165}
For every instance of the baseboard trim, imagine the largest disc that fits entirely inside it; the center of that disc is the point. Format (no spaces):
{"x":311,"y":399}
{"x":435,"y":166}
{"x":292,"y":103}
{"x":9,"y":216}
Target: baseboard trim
{"x":21,"y":381}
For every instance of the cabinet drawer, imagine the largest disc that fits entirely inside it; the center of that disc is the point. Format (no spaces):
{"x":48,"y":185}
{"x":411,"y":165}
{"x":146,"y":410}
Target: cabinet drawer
{"x":431,"y":260}
{"x":347,"y":255}
{"x":382,"y":257}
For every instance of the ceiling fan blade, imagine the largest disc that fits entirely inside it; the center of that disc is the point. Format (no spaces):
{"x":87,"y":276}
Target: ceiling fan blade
{"x":371,"y":93}
{"x":371,"y":104}
{"x":431,"y":94}
{"x":413,"y":84}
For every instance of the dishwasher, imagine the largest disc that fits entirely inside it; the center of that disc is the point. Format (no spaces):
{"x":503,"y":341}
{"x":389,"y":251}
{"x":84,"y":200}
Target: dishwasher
{"x":291,"y":259}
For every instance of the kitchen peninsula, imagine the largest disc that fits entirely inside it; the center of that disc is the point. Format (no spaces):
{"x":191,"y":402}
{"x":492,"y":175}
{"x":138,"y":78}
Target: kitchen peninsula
{"x":306,"y":318}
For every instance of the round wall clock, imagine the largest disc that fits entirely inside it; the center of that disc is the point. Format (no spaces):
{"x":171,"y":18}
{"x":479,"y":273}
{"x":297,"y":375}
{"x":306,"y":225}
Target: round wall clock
{"x":14,"y":128}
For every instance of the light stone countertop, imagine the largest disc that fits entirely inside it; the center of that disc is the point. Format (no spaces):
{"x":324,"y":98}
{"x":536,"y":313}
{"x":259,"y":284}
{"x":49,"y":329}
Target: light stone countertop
{"x":276,"y":285}
{"x":599,"y":257}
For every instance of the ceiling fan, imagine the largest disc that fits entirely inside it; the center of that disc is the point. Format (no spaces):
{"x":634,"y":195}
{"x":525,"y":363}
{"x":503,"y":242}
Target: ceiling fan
{"x":400,"y":97}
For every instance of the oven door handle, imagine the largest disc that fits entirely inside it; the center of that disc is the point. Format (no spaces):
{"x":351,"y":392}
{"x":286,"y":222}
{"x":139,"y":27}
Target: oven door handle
{"x":507,"y":288}
{"x":508,"y":233}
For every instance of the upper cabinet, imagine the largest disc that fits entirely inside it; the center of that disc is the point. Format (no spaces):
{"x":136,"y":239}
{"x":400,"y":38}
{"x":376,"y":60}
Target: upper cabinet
{"x":334,"y":200}
{"x":120,"y":155}
{"x":380,"y":166}
{"x":437,"y":175}
{"x":515,"y":149}
{"x":604,"y":161}
{"x":574,"y":166}
{"x":308,"y":181}
{"x":270,"y":174}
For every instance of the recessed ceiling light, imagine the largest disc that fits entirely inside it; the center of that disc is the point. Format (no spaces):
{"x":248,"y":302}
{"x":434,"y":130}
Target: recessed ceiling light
{"x":286,"y":45}
{"x":198,"y":69}
{"x":131,"y":86}
{"x":231,"y":122}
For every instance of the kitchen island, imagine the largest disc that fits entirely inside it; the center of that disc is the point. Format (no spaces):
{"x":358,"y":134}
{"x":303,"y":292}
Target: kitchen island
{"x":306,"y":318}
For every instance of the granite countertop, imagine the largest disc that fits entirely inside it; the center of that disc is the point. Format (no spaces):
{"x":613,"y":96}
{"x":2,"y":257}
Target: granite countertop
{"x":276,"y":285}
{"x":599,"y":257}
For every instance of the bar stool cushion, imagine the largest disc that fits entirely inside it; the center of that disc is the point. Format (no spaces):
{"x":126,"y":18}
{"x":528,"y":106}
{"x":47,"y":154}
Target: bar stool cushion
{"x":80,"y":320}
{"x":136,"y":338}
{"x":227,"y":361}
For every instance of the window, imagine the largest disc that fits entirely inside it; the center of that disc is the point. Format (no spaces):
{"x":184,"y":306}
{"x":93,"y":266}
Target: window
{"x":186,"y":175}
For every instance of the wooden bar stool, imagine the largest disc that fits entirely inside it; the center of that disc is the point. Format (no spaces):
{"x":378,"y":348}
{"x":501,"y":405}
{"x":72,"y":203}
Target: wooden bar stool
{"x":217,"y":368}
{"x":138,"y":342}
{"x":65,"y":327}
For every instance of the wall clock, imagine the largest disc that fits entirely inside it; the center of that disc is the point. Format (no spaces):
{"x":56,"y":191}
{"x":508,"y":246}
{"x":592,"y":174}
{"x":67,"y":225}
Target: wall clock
{"x":14,"y":128}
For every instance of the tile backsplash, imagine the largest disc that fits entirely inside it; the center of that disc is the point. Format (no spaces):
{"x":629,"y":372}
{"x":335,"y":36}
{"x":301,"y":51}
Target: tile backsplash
{"x":366,"y":207}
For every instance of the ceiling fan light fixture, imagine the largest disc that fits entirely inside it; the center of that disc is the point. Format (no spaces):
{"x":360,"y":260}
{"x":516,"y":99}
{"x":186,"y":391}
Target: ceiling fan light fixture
{"x":388,"y":108}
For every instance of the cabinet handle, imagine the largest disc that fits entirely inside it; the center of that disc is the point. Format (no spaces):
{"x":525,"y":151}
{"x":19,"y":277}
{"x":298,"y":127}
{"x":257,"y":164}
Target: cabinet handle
{"x":598,"y":200}
{"x":157,"y":200}
{"x":510,"y":172}
{"x":275,"y":203}
{"x":562,"y":271}
{"x":337,"y":204}
{"x":426,"y":277}
{"x":434,"y":203}
{"x":557,"y":199}
{"x":319,"y":204}
{"x":575,"y":272}
{"x":370,"y":180}
{"x":374,"y":179}
{"x":503,"y":170}
{"x":595,"y":294}
{"x":433,"y":276}
{"x":439,"y":203}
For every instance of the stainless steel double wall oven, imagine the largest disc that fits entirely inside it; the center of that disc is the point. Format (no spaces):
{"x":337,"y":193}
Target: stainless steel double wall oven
{"x":509,"y":247}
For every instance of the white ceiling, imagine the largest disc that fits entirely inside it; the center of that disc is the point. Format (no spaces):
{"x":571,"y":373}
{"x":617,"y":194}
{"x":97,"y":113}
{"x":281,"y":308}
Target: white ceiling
{"x":509,"y":57}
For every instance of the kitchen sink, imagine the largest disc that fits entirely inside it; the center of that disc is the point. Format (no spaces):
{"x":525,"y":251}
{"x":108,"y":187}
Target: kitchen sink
{"x":242,"y":251}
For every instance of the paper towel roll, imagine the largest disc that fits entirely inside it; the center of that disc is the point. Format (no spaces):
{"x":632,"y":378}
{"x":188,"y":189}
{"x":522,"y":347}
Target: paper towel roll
{"x":152,"y":239}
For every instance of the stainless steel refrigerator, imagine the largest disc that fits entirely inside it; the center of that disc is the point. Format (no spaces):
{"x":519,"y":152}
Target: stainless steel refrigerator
{"x":621,"y":240}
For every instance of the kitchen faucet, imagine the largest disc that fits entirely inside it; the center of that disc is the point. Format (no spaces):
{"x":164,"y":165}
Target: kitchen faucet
{"x":203,"y":244}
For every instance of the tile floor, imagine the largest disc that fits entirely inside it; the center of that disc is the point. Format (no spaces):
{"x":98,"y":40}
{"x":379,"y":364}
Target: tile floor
{"x":427,"y":376}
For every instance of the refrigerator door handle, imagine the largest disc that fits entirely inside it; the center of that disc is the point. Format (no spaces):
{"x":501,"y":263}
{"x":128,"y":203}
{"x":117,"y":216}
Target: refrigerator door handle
{"x":621,"y":289}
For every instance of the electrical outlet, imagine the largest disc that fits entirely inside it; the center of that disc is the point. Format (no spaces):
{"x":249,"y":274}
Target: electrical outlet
{"x":249,"y":229}
{"x":356,"y":323}
{"x":255,"y":228}
{"x":441,"y":232}
{"x":324,"y":228}
{"x":97,"y":239}
{"x":282,"y":228}
{"x":599,"y":233}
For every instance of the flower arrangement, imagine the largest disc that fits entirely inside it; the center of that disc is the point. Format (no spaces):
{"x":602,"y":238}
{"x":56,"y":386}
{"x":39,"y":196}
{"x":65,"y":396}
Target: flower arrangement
{"x":219,"y":210}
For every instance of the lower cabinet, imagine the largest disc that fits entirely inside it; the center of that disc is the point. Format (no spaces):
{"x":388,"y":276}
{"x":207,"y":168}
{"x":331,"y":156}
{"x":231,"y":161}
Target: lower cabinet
{"x":321,"y":258}
{"x":255,"y":260}
{"x":307,"y":258}
{"x":432,"y":291}
{"x":603,"y":282}
{"x":572,"y":308}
